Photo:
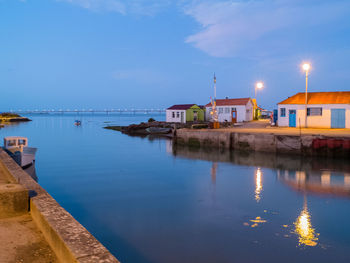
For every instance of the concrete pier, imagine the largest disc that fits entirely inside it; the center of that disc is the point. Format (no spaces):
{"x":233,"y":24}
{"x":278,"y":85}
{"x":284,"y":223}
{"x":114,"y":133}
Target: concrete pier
{"x":273,"y":141}
{"x":35,"y":228}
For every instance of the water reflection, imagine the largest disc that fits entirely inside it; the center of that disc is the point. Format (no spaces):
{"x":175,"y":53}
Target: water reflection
{"x":303,"y":228}
{"x":303,"y":174}
{"x":213,"y":171}
{"x":258,"y":184}
{"x":317,"y":182}
{"x":258,"y":220}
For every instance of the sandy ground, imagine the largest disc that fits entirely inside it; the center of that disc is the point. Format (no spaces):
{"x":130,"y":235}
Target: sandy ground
{"x":21,"y":241}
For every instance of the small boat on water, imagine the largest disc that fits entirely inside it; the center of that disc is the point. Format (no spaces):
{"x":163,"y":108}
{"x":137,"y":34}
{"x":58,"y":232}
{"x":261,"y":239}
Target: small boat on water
{"x":17,"y":148}
{"x":158,"y":130}
{"x":77,"y":122}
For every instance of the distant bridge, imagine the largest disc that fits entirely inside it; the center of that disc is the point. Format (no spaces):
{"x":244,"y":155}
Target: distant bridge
{"x":45,"y":111}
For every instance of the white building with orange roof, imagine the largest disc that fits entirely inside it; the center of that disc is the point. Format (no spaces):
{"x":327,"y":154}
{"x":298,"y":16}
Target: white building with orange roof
{"x":232,"y":110}
{"x":323,"y":110}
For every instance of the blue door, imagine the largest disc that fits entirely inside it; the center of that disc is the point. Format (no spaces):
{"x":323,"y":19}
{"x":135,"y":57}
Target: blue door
{"x":292,"y":118}
{"x":338,"y":118}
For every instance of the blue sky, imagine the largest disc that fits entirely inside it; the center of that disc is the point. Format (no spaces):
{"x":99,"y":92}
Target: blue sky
{"x":145,"y":53}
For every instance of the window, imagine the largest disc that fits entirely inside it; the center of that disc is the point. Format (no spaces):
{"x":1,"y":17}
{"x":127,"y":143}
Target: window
{"x":314,"y":111}
{"x":247,"y":110}
{"x":227,"y":110}
{"x":11,"y":143}
{"x":177,"y":114}
{"x":221,"y":110}
{"x":210,"y":109}
{"x":173,"y":114}
{"x":21,"y":142}
{"x":283,"y":112}
{"x":233,"y":109}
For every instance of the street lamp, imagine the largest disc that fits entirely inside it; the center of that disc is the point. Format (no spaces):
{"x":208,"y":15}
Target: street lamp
{"x":306,"y":68}
{"x":259,"y":85}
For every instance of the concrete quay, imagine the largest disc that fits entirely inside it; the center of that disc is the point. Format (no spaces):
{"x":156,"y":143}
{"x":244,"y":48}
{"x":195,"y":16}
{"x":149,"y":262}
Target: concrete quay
{"x":308,"y":142}
{"x":35,"y":228}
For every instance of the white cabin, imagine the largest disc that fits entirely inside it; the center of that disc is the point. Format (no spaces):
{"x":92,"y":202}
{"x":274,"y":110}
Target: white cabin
{"x":323,"y":110}
{"x":232,"y":110}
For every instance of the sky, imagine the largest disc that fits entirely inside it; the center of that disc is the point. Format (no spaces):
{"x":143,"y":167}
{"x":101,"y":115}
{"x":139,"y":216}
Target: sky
{"x":104,"y":54}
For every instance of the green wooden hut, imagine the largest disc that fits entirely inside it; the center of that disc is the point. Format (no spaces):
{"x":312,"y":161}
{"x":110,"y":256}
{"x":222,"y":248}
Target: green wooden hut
{"x":185,"y":113}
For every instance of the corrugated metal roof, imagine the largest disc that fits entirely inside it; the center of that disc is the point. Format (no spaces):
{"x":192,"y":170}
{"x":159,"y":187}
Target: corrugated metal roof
{"x":230,"y":102}
{"x":181,"y":107}
{"x":337,"y":97}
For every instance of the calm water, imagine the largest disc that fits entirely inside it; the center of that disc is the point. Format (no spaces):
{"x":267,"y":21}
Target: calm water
{"x":149,"y":202}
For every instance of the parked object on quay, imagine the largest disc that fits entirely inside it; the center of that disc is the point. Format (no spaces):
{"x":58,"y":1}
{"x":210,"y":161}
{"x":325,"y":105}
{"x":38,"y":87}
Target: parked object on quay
{"x":17,"y":148}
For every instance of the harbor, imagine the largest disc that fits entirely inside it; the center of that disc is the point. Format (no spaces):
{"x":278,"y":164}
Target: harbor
{"x":174,"y":131}
{"x":192,"y":195}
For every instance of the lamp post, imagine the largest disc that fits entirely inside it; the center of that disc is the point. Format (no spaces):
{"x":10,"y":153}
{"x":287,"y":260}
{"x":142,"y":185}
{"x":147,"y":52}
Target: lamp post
{"x":258,"y":85}
{"x":306,"y":68}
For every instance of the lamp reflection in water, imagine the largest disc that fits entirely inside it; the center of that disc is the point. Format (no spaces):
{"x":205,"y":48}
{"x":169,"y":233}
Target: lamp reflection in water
{"x":258,"y":184}
{"x":304,"y":230}
{"x":213,"y":170}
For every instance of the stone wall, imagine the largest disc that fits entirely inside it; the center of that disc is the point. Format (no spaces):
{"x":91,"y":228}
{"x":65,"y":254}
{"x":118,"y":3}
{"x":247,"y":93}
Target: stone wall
{"x":309,"y":145}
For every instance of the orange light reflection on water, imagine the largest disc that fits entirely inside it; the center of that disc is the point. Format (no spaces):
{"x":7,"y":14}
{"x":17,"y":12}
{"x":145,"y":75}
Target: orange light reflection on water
{"x":304,"y":230}
{"x":258,"y":184}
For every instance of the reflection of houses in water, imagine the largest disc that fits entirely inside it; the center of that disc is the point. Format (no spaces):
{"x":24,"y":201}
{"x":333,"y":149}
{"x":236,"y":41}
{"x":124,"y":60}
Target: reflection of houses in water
{"x":303,"y":228}
{"x":322,"y":182}
{"x":314,"y":175}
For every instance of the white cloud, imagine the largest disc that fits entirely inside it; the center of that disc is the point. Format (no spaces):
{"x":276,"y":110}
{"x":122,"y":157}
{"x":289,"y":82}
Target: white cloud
{"x":257,"y":27}
{"x":138,"y":7}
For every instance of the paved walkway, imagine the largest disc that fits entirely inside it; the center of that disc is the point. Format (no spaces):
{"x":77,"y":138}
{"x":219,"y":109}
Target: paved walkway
{"x":263,"y":126}
{"x":20,"y":239}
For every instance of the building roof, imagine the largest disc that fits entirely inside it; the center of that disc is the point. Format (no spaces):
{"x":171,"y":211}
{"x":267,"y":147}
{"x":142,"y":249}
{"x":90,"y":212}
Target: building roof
{"x":338,"y":97}
{"x":181,"y":107}
{"x":230,"y":102}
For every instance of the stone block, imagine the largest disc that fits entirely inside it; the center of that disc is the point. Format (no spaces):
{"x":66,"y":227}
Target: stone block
{"x":14,"y":200}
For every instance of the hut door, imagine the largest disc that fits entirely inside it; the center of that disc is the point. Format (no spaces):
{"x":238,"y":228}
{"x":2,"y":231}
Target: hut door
{"x":234,"y":115}
{"x":338,"y":118}
{"x":195,"y":116}
{"x":182,"y":117}
{"x":292,"y":118}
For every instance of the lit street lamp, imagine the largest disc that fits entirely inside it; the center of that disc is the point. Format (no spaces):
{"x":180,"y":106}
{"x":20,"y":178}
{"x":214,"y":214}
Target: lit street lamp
{"x":306,"y":68}
{"x":259,"y":85}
